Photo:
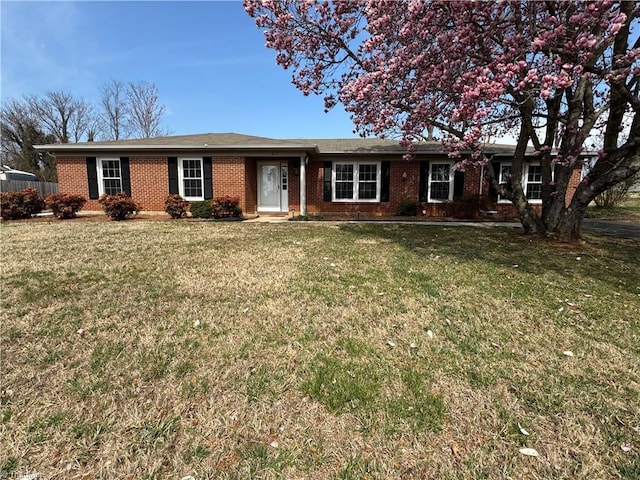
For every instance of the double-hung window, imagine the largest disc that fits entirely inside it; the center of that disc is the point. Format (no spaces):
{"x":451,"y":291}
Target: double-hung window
{"x":533,"y":182}
{"x":190,"y":179}
{"x":504,"y":179}
{"x":109,"y":176}
{"x":356,"y":182}
{"x":440,"y":182}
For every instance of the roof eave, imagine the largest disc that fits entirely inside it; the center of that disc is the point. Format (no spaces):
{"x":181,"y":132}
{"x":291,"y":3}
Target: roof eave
{"x":75,"y":147}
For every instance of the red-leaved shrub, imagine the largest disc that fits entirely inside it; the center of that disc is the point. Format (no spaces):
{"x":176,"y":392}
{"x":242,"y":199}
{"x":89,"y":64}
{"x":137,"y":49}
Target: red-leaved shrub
{"x":226,"y":207}
{"x":22,"y":204}
{"x":176,"y":206}
{"x":65,"y":205}
{"x":119,"y":206}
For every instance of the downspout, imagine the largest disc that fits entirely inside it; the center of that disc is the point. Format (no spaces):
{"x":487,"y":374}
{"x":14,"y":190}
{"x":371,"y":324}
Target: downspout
{"x":303,"y":185}
{"x":481,"y":179}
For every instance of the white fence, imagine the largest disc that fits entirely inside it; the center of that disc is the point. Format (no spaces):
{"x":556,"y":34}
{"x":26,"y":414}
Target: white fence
{"x":45,"y":188}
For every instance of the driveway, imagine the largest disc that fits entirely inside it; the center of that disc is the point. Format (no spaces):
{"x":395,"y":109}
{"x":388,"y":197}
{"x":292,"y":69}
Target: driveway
{"x":612,"y":228}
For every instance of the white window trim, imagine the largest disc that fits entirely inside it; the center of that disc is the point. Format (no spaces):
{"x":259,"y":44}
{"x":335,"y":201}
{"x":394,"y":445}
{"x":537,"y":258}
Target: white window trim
{"x":181,"y":178}
{"x":525,"y":182}
{"x":503,"y":164}
{"x":101,"y":190}
{"x":356,"y":182}
{"x":451,"y":175}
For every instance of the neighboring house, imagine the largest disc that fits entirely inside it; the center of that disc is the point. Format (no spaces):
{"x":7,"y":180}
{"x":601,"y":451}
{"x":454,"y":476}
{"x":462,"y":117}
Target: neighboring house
{"x":328,"y":176}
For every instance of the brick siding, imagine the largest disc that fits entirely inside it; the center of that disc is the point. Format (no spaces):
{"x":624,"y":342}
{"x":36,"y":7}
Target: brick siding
{"x":237,"y":176}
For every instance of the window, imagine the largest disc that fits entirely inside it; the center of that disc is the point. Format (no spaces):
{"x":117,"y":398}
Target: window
{"x":190,"y":182}
{"x":440,"y":182}
{"x":358,"y":181}
{"x":109,"y":176}
{"x":504,"y":179}
{"x":533,"y":182}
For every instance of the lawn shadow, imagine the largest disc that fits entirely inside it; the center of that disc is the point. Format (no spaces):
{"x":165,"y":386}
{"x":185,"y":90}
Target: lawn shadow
{"x":603,"y":259}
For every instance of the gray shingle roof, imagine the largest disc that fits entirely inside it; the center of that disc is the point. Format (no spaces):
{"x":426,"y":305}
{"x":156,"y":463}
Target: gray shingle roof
{"x":246,"y":142}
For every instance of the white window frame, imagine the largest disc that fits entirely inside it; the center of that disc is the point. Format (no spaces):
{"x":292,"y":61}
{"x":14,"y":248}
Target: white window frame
{"x":451,"y":176}
{"x":525,"y":182}
{"x":102,"y":178}
{"x":504,"y":181}
{"x":181,"y":178}
{"x":356,"y":181}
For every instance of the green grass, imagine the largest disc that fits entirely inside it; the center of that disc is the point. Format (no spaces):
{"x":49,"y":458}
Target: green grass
{"x":629,"y":210}
{"x":320,"y":351}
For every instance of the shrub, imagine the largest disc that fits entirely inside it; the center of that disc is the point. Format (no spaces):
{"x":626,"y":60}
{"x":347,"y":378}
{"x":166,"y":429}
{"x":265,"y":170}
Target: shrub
{"x":176,"y":206}
{"x":22,"y":204}
{"x":64,"y":205}
{"x":468,"y":206}
{"x":201,"y":209}
{"x":407,"y":208}
{"x":119,"y":206}
{"x":617,"y":194}
{"x":224,"y":207}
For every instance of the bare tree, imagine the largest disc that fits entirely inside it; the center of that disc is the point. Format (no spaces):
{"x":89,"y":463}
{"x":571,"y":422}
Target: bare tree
{"x":114,"y":115}
{"x":65,"y":117}
{"x":144,"y":109}
{"x":20,"y":130}
{"x":14,"y":120}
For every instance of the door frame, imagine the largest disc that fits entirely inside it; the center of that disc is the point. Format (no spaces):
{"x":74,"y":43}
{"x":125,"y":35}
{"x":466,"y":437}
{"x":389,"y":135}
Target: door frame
{"x":283,"y":195}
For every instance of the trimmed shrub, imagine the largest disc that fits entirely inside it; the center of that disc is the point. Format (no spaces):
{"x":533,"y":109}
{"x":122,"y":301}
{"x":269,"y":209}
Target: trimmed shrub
{"x":119,"y":206}
{"x":176,"y":206}
{"x":22,"y":204}
{"x":468,"y":206}
{"x":407,"y":208}
{"x":201,"y":209}
{"x":64,"y":205}
{"x":225,"y":207}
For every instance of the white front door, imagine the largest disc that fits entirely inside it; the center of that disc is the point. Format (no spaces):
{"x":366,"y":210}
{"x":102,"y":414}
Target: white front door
{"x":273,"y":187}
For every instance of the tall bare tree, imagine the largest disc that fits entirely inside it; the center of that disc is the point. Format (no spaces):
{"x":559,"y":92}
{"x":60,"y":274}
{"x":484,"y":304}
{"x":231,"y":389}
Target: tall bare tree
{"x":20,"y":130}
{"x":144,"y":109}
{"x":61,"y":114}
{"x":114,"y":111}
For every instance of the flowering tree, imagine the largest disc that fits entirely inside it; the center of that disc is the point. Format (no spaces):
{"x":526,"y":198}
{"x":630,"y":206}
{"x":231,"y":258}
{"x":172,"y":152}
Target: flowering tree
{"x":553,"y":74}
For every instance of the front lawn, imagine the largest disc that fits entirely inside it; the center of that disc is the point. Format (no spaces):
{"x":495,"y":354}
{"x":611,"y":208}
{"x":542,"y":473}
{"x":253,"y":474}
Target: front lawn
{"x":248,"y":350}
{"x":628,"y":211}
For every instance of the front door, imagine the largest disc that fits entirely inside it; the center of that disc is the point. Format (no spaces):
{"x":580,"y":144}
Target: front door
{"x":273,"y":187}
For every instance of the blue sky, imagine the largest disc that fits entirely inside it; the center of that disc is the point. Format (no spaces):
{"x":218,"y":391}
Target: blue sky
{"x":207,"y":58}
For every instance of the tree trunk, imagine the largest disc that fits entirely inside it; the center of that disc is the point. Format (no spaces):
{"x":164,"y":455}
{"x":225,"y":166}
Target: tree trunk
{"x":568,"y":225}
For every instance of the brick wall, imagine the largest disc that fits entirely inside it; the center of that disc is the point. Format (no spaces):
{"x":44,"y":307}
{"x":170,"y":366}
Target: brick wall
{"x":401,"y":187}
{"x":574,"y":181}
{"x":229,"y":178}
{"x":150,"y":179}
{"x":72,"y":178}
{"x":237,"y":176}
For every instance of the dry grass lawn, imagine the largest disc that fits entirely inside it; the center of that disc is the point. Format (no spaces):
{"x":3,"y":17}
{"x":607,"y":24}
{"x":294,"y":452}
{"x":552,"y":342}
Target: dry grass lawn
{"x":316,"y":351}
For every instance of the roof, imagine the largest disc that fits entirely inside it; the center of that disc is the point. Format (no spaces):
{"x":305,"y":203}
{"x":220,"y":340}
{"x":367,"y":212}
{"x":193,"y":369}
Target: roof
{"x":236,"y":141}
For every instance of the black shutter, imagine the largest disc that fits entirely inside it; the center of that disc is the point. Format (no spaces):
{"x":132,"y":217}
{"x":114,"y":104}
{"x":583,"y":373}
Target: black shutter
{"x":126,"y":175}
{"x":458,"y":184}
{"x":423,"y":189}
{"x":92,"y":177}
{"x":386,"y":181}
{"x":172,"y":162}
{"x":207,"y":175}
{"x":327,"y":182}
{"x":493,"y":193}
